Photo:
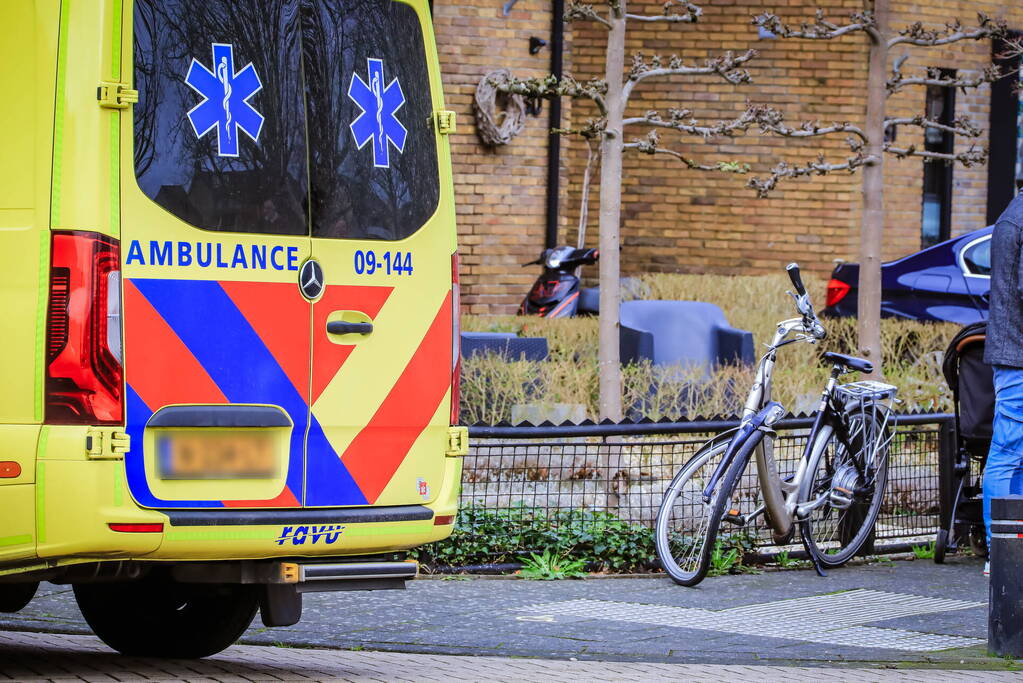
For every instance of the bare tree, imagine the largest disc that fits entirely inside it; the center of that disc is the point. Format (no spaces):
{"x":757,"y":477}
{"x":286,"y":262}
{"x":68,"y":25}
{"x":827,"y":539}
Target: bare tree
{"x":869,"y":146}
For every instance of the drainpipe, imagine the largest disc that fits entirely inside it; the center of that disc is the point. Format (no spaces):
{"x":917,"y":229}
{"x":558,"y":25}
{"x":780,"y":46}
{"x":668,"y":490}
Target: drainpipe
{"x":554,"y":140}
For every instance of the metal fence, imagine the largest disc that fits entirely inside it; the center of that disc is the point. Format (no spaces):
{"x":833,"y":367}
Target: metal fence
{"x":623,"y":470}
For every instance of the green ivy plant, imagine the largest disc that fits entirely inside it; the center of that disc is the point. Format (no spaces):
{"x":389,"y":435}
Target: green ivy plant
{"x":600,"y":540}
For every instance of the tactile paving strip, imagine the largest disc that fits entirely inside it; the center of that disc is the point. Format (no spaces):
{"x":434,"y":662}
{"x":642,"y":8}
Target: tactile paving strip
{"x":836,"y":618}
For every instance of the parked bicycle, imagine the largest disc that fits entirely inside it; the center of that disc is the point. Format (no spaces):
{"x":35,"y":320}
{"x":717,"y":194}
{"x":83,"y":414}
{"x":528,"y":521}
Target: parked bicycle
{"x":833,"y":497}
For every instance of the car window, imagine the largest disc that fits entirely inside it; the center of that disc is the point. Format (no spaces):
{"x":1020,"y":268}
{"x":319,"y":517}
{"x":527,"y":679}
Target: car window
{"x":977,"y":258}
{"x":219,"y":128}
{"x":373,"y":148}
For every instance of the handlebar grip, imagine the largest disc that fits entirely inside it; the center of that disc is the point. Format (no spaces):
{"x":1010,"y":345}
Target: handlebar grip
{"x":797,"y":281}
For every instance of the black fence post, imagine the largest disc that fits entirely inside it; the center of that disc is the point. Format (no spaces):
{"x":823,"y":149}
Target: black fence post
{"x":948,"y":455}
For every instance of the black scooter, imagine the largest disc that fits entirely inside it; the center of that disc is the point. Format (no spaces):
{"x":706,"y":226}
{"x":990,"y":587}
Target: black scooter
{"x":556,"y":293}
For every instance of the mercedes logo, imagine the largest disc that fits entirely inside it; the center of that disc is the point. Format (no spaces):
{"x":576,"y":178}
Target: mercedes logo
{"x":310,"y":279}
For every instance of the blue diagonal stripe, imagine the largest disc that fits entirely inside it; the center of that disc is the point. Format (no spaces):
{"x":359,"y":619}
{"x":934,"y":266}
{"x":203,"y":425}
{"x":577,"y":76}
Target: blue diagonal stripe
{"x":138,"y":414}
{"x":206,"y":320}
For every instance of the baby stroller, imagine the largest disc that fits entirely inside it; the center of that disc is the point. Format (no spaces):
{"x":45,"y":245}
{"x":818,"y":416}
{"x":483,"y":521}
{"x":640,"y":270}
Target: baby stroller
{"x":961,"y":471}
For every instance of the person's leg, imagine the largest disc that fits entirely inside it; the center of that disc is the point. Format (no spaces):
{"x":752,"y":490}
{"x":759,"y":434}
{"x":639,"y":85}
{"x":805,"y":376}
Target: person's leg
{"x":1003,"y":474}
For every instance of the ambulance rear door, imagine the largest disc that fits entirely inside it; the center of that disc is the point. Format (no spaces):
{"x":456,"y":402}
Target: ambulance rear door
{"x":383,"y":235}
{"x":214,"y":232}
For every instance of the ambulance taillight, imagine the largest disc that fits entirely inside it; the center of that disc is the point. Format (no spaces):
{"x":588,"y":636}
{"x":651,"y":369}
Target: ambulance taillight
{"x":456,"y":341}
{"x":84,"y":369}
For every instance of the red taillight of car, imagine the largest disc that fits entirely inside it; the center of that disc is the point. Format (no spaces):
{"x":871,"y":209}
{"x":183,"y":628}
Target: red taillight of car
{"x":84,"y":372}
{"x":836,"y":291}
{"x":456,"y":341}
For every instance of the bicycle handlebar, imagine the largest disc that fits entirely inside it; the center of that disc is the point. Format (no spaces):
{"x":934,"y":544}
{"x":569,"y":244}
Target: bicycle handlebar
{"x":811,"y":324}
{"x":797,"y":281}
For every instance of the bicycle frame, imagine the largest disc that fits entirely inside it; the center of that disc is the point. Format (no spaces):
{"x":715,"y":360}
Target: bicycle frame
{"x":776,"y":492}
{"x":780,"y":495}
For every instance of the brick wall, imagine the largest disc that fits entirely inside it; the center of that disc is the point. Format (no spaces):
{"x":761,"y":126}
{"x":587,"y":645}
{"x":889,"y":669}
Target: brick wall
{"x":501,"y":193}
{"x":679,"y":220}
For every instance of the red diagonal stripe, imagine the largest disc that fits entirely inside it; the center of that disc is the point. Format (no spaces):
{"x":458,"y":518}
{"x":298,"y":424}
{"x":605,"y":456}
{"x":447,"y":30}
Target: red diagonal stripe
{"x":376,"y":452}
{"x":157,"y":364}
{"x":328,"y":357}
{"x":285,"y":499}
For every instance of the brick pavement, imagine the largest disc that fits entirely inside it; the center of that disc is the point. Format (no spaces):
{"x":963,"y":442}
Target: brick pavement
{"x":28,"y":656}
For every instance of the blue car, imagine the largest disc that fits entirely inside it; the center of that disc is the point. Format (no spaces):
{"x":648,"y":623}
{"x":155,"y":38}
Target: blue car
{"x":947,"y":282}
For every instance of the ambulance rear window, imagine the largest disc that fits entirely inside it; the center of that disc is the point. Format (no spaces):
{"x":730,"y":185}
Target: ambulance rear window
{"x":373,"y":149}
{"x":219,"y":126}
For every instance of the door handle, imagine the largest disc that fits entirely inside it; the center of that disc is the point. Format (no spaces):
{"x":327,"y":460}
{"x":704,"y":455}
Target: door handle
{"x":342,"y":327}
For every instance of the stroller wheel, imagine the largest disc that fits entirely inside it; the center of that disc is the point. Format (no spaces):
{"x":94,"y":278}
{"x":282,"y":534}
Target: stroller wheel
{"x":978,"y":540}
{"x":940,"y":546}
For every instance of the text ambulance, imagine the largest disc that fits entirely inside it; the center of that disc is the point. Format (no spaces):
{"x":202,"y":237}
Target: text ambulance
{"x":229,"y":284}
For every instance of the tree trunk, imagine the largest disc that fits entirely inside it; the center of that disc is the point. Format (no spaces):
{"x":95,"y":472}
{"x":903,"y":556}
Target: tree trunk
{"x":872,"y":228}
{"x":610,"y":222}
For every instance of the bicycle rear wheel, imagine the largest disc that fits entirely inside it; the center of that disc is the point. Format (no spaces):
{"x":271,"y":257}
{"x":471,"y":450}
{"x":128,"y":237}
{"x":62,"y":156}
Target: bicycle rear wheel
{"x":844,"y":499}
{"x":686,"y":527}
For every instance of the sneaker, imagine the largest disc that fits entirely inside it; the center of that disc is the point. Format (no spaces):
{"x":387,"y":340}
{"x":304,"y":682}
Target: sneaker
{"x":987,"y":568}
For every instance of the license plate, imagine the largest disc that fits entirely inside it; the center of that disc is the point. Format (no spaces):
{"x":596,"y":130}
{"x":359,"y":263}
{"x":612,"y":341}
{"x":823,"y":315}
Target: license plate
{"x":217,"y":456}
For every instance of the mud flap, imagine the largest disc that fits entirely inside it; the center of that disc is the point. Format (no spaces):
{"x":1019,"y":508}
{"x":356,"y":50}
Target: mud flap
{"x":280,"y":605}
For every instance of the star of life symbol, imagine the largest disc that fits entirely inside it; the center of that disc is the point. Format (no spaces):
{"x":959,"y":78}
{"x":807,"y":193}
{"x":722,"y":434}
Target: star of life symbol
{"x":225,"y":104}
{"x":378,"y":122}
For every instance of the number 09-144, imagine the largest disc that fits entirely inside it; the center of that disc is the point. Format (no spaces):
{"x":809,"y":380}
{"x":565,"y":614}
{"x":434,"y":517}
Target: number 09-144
{"x":390,"y":262}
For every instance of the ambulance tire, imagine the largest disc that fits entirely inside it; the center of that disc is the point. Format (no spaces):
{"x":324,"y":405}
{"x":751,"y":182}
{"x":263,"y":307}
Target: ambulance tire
{"x":15,"y":596}
{"x":163,"y":618}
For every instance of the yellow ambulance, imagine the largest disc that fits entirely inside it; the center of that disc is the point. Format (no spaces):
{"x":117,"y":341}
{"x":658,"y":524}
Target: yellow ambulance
{"x":229,"y":284}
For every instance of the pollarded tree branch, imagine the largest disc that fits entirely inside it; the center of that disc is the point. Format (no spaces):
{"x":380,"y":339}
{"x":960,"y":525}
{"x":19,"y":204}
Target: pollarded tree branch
{"x":550,"y":87}
{"x":917,"y":34}
{"x":674,"y":11}
{"x":592,"y":129}
{"x":810,"y":129}
{"x":683,"y":121}
{"x":651,"y":145}
{"x":577,"y":10}
{"x":934,"y":77}
{"x":821,"y":29}
{"x":767,"y":119}
{"x":818,"y":167}
{"x":960,"y":126}
{"x":726,"y":66}
{"x":971,"y":157}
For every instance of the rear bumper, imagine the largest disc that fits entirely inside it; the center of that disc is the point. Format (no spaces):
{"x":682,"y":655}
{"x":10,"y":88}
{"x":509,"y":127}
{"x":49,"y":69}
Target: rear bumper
{"x":380,"y":573}
{"x":74,"y":503}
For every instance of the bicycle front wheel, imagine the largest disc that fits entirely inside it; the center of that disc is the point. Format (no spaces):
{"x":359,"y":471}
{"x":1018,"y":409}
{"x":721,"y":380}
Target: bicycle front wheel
{"x":686,"y":524}
{"x":843,"y":488}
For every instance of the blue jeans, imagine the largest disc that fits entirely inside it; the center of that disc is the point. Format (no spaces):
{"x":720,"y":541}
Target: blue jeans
{"x":1003,"y":474}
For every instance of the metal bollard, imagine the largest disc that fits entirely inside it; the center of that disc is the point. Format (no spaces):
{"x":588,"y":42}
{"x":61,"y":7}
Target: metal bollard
{"x":1005,"y":591}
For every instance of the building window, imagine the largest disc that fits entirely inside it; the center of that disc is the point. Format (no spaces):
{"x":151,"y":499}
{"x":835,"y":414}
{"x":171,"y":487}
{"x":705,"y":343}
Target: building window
{"x":1005,"y":172}
{"x":937,"y":199}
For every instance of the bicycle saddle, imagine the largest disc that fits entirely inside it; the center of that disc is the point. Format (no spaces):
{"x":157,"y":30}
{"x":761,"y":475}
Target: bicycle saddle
{"x":851,"y":362}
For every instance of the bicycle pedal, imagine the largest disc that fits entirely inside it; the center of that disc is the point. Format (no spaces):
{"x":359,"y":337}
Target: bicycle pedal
{"x":734,"y":517}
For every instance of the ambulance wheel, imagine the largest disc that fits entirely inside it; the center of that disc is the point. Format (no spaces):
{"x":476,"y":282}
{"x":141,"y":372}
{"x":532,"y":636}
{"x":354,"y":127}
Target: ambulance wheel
{"x":163,"y":618}
{"x":15,"y":596}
